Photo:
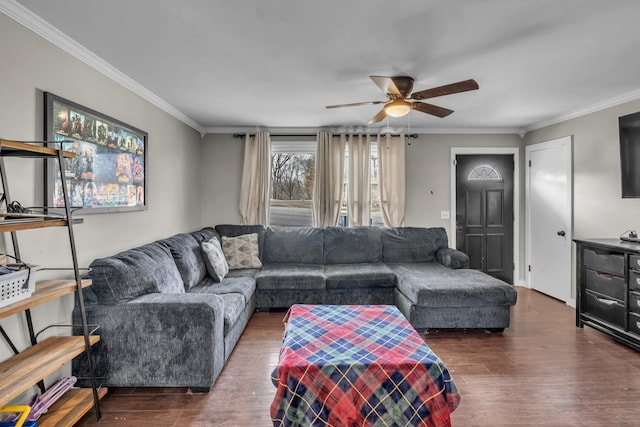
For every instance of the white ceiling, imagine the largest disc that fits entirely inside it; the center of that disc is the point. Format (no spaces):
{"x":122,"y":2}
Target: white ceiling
{"x":230,"y":65}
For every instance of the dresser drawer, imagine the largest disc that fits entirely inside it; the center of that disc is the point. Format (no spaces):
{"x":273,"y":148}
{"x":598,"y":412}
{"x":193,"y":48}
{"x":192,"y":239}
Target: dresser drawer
{"x":607,"y":284}
{"x":634,"y":280}
{"x":634,"y":262}
{"x":606,"y":261}
{"x":634,"y":302}
{"x":634,"y":323}
{"x":606,"y":309}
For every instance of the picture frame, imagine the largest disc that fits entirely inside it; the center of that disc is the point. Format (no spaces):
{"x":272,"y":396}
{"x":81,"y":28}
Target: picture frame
{"x":109,"y":172}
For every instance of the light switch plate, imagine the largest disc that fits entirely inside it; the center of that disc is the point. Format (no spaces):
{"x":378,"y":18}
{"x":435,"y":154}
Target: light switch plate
{"x":444,"y":215}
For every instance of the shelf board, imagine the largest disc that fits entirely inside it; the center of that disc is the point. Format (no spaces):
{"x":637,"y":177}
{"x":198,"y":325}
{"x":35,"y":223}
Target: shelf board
{"x":70,"y":408}
{"x":24,"y":149}
{"x":33,"y":223}
{"x":46,"y":290}
{"x":23,"y":370}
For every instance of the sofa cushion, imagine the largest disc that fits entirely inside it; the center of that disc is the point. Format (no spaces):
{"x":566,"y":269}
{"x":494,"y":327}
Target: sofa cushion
{"x":350,"y":245}
{"x":187,"y":255}
{"x":412,"y":244}
{"x":231,"y":230}
{"x":135,"y":272}
{"x":433,"y":285}
{"x":452,"y":258}
{"x":345,"y":276}
{"x":234,"y":306}
{"x":291,"y":276}
{"x":301,"y":245}
{"x":241,"y":251}
{"x":244,"y":272}
{"x":214,"y":259}
{"x":229,"y":285}
{"x":205,"y":234}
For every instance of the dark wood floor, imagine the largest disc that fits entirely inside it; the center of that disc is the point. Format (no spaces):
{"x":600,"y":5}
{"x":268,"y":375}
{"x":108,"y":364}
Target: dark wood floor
{"x":540,"y":371}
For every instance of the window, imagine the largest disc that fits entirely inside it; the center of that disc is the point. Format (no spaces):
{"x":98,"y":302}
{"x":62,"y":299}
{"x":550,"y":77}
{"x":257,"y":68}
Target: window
{"x":292,"y":176}
{"x":484,"y":173}
{"x":376,"y":208}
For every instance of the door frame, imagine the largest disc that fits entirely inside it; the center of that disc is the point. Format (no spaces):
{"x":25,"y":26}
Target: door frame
{"x":567,"y":143}
{"x":515,"y":151}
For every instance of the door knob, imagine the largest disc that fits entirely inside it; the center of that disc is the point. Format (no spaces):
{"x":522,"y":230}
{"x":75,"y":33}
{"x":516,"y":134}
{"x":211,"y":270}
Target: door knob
{"x":561,"y":233}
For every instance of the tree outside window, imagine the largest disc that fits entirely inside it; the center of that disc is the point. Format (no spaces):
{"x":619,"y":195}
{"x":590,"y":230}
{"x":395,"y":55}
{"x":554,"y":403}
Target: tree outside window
{"x":292,"y":176}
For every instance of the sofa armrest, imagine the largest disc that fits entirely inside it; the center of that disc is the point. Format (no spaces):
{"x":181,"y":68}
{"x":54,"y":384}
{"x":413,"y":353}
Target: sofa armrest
{"x":158,"y":340}
{"x":452,"y":258}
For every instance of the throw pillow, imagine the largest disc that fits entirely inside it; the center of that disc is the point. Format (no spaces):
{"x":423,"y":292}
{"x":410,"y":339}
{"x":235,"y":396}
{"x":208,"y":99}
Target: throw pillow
{"x":241,"y":251}
{"x":215,"y":261}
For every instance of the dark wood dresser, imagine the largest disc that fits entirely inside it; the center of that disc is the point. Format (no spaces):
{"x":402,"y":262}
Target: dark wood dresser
{"x":608,"y":287}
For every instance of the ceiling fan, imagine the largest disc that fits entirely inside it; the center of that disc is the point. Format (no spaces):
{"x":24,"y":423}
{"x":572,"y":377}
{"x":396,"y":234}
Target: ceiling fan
{"x":398,"y":90}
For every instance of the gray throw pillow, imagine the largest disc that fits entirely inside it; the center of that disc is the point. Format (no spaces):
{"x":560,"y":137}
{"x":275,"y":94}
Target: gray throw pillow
{"x":215,"y":261}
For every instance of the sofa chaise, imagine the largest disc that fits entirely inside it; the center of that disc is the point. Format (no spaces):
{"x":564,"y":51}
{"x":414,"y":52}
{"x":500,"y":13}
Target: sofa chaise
{"x":164,"y":320}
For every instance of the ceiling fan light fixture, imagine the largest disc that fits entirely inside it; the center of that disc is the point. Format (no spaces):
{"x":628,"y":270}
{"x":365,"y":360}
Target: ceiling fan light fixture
{"x":397,"y":108}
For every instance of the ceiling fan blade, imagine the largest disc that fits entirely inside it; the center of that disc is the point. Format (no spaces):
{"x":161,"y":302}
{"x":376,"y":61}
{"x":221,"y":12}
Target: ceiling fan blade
{"x":434,"y":110}
{"x":378,"y":117}
{"x":385,"y":84}
{"x":449,"y":89}
{"x":355,"y":104}
{"x":398,"y":85}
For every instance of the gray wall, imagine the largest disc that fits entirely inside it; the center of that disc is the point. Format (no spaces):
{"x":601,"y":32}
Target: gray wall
{"x":31,"y":65}
{"x":598,"y":207}
{"x":428,"y":172}
{"x":428,"y":169}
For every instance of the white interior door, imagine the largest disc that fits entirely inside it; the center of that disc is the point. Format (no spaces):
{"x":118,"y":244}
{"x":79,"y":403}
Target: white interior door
{"x":549,"y":225}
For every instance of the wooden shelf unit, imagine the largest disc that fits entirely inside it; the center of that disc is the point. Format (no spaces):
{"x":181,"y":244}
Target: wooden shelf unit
{"x":32,"y":365}
{"x":70,"y":409}
{"x":30,"y":149}
{"x":46,"y":290}
{"x":31,"y":224}
{"x":23,"y":370}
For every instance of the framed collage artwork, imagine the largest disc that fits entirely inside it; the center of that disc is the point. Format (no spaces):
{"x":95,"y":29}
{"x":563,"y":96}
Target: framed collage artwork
{"x":108,"y":173}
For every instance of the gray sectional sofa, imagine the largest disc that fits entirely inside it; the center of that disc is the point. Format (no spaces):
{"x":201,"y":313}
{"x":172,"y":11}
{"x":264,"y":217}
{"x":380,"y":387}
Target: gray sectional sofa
{"x":165,"y":322}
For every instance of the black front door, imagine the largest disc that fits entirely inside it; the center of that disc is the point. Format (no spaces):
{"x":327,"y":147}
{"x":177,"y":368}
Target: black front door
{"x":484,"y":212}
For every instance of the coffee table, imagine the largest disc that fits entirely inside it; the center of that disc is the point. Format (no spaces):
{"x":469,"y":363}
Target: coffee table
{"x":358,"y":366}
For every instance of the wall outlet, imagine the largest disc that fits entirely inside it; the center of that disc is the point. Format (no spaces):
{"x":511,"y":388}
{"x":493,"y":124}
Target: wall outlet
{"x":444,"y":215}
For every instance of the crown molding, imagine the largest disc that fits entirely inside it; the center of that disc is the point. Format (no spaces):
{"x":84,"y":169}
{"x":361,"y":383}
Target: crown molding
{"x":375,"y":130}
{"x":613,"y":102}
{"x":33,"y":22}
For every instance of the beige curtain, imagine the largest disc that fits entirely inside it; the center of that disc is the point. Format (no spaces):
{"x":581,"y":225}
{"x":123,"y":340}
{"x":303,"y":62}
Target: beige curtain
{"x":255,"y":192}
{"x":359,"y":182}
{"x":329,"y":176}
{"x":391,"y":178}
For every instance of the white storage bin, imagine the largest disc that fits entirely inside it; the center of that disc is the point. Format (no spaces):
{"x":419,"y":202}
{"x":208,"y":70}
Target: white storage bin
{"x":12,"y":285}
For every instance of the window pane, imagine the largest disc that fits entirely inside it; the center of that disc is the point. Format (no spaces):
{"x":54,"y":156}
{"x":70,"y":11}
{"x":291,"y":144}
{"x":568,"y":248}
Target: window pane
{"x":376,"y":212}
{"x":292,"y":176}
{"x":484,"y":173}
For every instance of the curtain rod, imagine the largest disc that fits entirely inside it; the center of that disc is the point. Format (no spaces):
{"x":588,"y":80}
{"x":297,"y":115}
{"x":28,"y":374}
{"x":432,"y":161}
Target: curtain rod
{"x":242,"y":135}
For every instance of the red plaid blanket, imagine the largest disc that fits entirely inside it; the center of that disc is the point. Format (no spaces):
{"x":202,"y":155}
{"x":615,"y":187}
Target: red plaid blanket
{"x":358,"y":366}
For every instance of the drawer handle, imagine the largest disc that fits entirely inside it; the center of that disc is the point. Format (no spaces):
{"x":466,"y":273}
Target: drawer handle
{"x":638,"y":325}
{"x":638,"y":261}
{"x":605,"y":301}
{"x":606,"y":275}
{"x":638,"y":280}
